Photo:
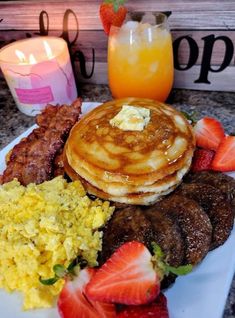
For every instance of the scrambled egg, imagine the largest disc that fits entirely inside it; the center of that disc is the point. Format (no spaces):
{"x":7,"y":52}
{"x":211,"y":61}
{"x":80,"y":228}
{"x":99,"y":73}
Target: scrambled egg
{"x":43,"y":225}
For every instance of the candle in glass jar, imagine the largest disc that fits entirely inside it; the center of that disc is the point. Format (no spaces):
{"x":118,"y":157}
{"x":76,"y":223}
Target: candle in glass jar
{"x":38,"y":72}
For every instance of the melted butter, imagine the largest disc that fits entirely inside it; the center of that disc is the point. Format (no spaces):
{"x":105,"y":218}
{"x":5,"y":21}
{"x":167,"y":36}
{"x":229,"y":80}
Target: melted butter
{"x":131,"y":118}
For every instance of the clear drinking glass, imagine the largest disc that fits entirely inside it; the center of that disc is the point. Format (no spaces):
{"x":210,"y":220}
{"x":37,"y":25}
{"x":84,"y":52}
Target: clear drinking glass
{"x":140,"y":58}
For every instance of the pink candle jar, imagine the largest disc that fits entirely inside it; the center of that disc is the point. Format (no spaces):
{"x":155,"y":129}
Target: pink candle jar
{"x":38,"y":72}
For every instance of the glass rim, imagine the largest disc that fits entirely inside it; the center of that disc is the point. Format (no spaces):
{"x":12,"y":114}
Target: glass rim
{"x":141,"y":14}
{"x":163,"y":23}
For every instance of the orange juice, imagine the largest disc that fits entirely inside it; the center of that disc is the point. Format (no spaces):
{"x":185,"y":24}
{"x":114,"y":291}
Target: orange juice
{"x":140,"y":61}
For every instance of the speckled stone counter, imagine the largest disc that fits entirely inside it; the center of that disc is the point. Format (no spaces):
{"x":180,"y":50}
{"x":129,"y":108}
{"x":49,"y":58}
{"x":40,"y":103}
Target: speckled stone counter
{"x":217,"y":104}
{"x":220,"y":105}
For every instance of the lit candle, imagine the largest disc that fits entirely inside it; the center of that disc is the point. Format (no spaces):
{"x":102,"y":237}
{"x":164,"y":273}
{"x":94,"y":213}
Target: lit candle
{"x":38,"y":72}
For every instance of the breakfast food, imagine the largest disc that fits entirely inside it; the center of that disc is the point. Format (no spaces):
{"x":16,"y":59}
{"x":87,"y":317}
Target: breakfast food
{"x":224,"y":159}
{"x":158,"y":308}
{"x":128,"y":277}
{"x":221,"y":181}
{"x":194,"y":223}
{"x":32,"y":160}
{"x":44,"y":225}
{"x":209,"y":133}
{"x":186,"y":224}
{"x":177,"y":224}
{"x":123,"y":162}
{"x":202,"y":159}
{"x":215,"y":205}
{"x":74,"y":303}
{"x":132,"y":223}
{"x":217,"y":151}
{"x":132,"y":275}
{"x":181,"y":223}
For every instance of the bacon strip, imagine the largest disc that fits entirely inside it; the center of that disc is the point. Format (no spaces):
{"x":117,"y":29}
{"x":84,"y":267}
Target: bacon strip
{"x":32,"y":160}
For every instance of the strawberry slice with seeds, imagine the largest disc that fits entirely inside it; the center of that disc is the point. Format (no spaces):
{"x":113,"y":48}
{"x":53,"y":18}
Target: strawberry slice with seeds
{"x":157,"y":309}
{"x":130,"y":276}
{"x":209,"y":133}
{"x":224,"y":159}
{"x":202,"y":160}
{"x":112,"y":12}
{"x":127,"y":277}
{"x":73,"y":302}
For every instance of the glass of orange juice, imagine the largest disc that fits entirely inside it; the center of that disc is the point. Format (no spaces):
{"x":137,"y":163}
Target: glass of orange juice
{"x":140,"y":59}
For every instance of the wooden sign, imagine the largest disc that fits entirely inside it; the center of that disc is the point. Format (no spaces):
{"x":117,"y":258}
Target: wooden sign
{"x":203,"y":36}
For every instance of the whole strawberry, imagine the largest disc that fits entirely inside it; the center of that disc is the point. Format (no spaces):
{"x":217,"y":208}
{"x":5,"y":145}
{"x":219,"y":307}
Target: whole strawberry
{"x":112,"y":12}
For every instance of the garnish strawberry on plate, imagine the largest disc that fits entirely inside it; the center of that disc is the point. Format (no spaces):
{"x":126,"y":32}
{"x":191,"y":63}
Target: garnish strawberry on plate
{"x":217,"y":151}
{"x":157,"y":309}
{"x":112,"y":12}
{"x":209,"y":133}
{"x":224,"y":159}
{"x":73,"y":301}
{"x":202,"y":159}
{"x":131,"y":275}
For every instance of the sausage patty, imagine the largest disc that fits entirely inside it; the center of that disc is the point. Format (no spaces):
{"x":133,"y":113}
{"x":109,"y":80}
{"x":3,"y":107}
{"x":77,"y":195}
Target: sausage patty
{"x":221,"y":181}
{"x":126,"y":224}
{"x":167,"y":234}
{"x":219,"y":210}
{"x":194,"y":223}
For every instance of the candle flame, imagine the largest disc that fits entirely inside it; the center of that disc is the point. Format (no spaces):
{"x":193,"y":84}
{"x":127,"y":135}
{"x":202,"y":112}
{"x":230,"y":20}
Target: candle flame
{"x":20,"y":56}
{"x":48,"y":50}
{"x":32,"y":59}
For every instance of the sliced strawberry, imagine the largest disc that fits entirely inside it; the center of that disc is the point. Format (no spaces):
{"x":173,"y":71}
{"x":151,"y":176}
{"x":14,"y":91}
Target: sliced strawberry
{"x":112,"y":12}
{"x":73,"y":303}
{"x":128,"y":277}
{"x":224,"y":159}
{"x":209,"y":133}
{"x":202,"y":160}
{"x":157,"y":309}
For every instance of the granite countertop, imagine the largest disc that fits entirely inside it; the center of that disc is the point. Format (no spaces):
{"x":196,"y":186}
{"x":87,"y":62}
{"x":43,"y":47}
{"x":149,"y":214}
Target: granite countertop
{"x":217,"y":104}
{"x":220,"y":105}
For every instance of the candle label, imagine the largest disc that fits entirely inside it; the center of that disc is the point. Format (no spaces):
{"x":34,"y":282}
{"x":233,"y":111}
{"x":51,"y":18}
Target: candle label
{"x":35,"y":95}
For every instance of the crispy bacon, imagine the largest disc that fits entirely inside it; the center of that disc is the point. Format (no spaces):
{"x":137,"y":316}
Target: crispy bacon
{"x":32,"y":160}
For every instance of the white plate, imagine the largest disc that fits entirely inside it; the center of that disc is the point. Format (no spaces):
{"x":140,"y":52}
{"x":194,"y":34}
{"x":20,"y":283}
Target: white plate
{"x":202,"y":293}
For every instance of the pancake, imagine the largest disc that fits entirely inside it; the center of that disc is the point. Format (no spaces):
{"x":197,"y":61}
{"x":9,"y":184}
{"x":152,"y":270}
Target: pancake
{"x":130,"y":166}
{"x":138,"y":198}
{"x":121,"y":189}
{"x":130,"y":156}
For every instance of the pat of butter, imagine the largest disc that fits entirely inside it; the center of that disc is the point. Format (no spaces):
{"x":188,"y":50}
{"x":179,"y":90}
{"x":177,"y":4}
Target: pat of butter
{"x":131,"y":118}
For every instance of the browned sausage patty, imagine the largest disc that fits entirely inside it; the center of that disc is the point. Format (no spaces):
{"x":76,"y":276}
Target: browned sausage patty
{"x":221,"y":181}
{"x":132,"y":223}
{"x":127,"y":224}
{"x":194,"y":223}
{"x":167,"y":234}
{"x":219,"y":210}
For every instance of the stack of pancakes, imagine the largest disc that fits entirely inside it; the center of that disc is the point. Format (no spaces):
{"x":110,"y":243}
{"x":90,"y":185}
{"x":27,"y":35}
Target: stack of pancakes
{"x":132,"y":167}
